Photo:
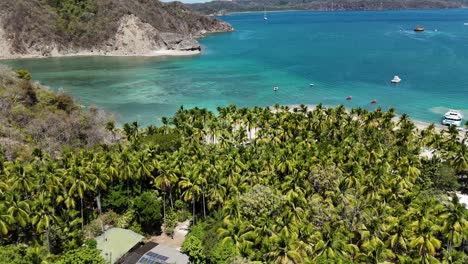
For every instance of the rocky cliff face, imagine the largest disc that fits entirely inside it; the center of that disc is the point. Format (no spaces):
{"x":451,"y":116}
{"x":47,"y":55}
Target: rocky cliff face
{"x":35,"y":28}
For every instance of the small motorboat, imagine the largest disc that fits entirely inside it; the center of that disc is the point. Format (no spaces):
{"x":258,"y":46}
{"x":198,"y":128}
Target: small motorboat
{"x":276,"y":88}
{"x":419,"y":29}
{"x":396,"y":79}
{"x":349,"y":98}
{"x":452,"y":118}
{"x":373,"y":101}
{"x":311,"y":84}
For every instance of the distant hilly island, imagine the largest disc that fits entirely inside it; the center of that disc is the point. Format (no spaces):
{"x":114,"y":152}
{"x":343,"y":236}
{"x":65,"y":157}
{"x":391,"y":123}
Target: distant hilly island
{"x":50,"y":28}
{"x":223,"y":7}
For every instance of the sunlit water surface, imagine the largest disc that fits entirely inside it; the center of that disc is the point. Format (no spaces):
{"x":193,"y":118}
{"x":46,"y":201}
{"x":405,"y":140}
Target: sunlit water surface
{"x":343,"y":53}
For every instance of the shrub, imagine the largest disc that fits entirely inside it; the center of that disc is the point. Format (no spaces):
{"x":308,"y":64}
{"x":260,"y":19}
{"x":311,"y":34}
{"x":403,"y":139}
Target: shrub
{"x":223,"y":252}
{"x":64,"y":102}
{"x":179,"y":205}
{"x":94,"y":228}
{"x":193,"y":247}
{"x":91,"y":243}
{"x":24,"y":74}
{"x":183,"y":215}
{"x":136,"y":227}
{"x":126,"y":219}
{"x":258,"y":202}
{"x":165,"y":142}
{"x":83,"y":255}
{"x":116,"y":200}
{"x":148,"y":210}
{"x":13,"y":254}
{"x":170,"y":223}
{"x":110,"y":218}
{"x":28,"y":94}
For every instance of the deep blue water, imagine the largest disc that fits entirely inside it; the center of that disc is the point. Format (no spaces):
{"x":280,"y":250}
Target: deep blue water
{"x":343,"y":53}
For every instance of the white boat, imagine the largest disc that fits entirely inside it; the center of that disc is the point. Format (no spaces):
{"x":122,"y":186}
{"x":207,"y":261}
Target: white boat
{"x":311,"y":84}
{"x":452,"y":118}
{"x":396,"y":79}
{"x":276,"y":88}
{"x":466,"y":24}
{"x":264,"y":15}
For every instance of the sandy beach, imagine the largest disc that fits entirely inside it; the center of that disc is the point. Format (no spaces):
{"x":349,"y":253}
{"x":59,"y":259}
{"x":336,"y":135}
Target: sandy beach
{"x":420,"y":125}
{"x":155,"y":53}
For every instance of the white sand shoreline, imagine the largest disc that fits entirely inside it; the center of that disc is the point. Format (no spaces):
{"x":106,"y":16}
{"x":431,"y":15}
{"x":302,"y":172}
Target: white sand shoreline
{"x":421,"y":125}
{"x":154,"y":53}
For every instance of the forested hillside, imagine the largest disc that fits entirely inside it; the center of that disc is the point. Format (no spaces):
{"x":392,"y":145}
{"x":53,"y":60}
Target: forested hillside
{"x":215,"y":7}
{"x":273,"y":185}
{"x":60,"y":27}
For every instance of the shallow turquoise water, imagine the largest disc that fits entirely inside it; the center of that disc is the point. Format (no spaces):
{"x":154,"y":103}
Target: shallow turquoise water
{"x":343,"y":53}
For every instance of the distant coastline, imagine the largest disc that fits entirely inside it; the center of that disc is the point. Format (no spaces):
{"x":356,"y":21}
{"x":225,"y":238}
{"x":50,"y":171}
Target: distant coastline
{"x":311,"y":10}
{"x":239,"y":6}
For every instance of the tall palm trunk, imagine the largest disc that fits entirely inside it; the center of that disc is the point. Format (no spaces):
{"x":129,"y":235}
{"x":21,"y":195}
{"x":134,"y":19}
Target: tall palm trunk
{"x":48,"y":240}
{"x":170,"y":198}
{"x":82,"y":215}
{"x":193,"y":208}
{"x":450,"y":242}
{"x":98,"y":202}
{"x":204,"y":207}
{"x":164,"y":206}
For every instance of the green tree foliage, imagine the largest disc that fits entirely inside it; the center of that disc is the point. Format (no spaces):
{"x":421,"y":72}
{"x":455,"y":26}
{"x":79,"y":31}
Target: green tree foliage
{"x":193,"y":245}
{"x":116,"y":199}
{"x":82,"y":255}
{"x":223,"y":253}
{"x":13,"y":254}
{"x":170,"y":222}
{"x":260,"y":201}
{"x":148,"y":209}
{"x":273,"y":185}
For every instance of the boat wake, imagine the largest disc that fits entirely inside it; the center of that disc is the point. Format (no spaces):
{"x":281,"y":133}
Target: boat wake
{"x":441,"y":110}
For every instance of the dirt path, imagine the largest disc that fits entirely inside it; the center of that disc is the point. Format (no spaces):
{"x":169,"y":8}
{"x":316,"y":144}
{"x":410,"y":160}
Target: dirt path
{"x":176,"y":241}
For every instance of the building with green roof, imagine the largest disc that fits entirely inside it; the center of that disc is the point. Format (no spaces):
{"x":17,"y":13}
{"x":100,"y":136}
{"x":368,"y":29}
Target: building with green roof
{"x":116,"y":242}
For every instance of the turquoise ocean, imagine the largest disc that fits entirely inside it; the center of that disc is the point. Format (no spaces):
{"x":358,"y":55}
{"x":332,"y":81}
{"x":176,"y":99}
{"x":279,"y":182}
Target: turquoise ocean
{"x":343,"y":53}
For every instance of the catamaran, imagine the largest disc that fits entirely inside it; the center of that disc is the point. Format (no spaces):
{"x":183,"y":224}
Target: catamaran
{"x":452,"y":118}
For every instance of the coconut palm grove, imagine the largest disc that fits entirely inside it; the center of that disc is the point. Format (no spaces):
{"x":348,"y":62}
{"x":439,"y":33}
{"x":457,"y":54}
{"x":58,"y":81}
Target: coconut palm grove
{"x":260,"y":185}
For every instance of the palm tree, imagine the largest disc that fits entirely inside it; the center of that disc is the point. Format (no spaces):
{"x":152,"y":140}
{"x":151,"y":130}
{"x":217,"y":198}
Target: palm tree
{"x":77,"y":183}
{"x":397,"y":238}
{"x":164,"y":180}
{"x":18,"y":209}
{"x":5,"y":220}
{"x":425,"y":240}
{"x":97,"y":174}
{"x":456,"y":223}
{"x":19,"y":176}
{"x":191,"y":189}
{"x":237,"y":232}
{"x":42,"y":216}
{"x":284,"y":248}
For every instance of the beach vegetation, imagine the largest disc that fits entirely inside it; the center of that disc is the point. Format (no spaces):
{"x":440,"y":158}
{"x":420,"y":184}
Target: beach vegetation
{"x":276,"y":185}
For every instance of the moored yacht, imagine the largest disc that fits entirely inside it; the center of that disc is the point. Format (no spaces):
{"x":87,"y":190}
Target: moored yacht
{"x":452,"y":118}
{"x":396,"y":79}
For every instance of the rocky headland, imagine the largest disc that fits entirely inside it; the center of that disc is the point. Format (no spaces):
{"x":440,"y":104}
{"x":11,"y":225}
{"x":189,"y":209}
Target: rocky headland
{"x":47,"y":28}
